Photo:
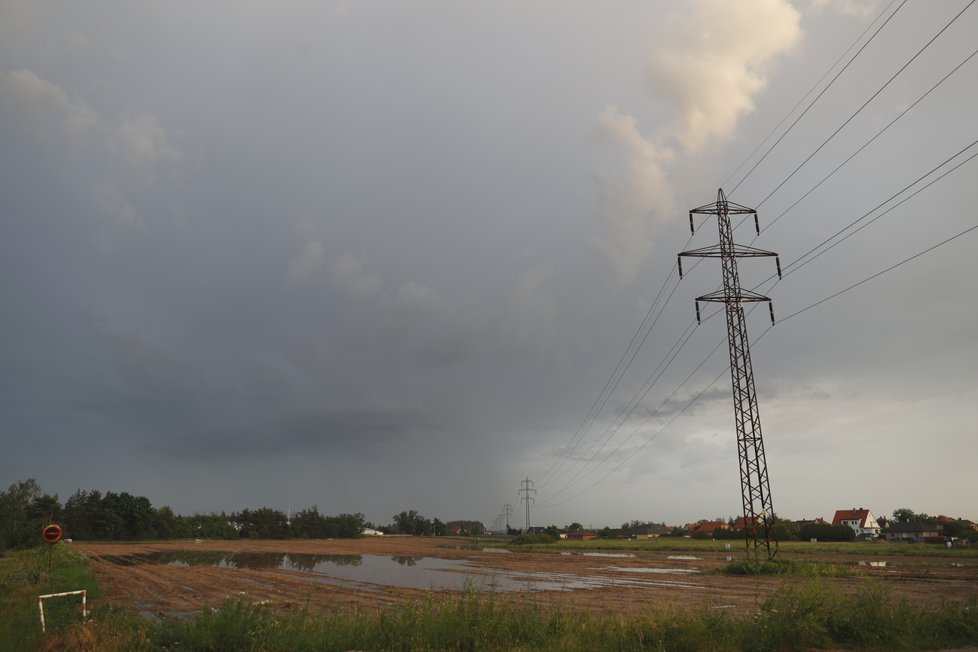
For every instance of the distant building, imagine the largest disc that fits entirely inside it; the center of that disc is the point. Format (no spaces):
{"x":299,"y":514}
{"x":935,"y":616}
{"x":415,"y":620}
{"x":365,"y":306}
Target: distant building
{"x":370,"y":532}
{"x":916,"y":532}
{"x":649,"y":531}
{"x":707,"y":528}
{"x":860,"y":520}
{"x":742,"y":522}
{"x":581,"y":535}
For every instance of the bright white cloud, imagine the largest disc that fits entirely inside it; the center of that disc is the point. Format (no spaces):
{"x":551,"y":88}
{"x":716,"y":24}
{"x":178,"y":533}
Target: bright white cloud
{"x":413,"y":299}
{"x":308,"y":262}
{"x":708,"y":65}
{"x":112,"y":204}
{"x":634,"y":201}
{"x":141,"y":142}
{"x":861,"y":9}
{"x":46,"y":107}
{"x":349,"y":275}
{"x":711,"y":63}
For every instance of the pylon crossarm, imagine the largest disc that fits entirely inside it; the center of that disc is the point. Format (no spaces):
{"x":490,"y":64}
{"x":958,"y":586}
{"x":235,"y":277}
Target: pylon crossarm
{"x":729,"y":207}
{"x":739,"y":251}
{"x":746,"y":296}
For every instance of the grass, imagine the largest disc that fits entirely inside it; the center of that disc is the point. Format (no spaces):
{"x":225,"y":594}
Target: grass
{"x":788,"y":567}
{"x":800,"y":616}
{"x":677,"y":544}
{"x":805,"y":613}
{"x":23,"y":576}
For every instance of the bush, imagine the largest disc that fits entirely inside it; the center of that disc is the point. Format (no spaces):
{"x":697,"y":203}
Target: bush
{"x":530,"y":539}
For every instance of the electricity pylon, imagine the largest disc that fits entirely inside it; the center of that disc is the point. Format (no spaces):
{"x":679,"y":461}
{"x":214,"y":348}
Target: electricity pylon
{"x":755,"y":487}
{"x":507,"y":510}
{"x":528,"y":492}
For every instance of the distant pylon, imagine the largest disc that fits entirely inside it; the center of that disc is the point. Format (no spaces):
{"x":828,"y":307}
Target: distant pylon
{"x":755,"y":487}
{"x":507,"y":510}
{"x":528,"y":493}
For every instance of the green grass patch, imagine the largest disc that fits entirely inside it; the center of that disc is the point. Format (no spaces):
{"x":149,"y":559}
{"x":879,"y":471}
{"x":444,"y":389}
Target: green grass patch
{"x":23,"y":576}
{"x":798,"y":617}
{"x":788,"y":567}
{"x":737,"y":547}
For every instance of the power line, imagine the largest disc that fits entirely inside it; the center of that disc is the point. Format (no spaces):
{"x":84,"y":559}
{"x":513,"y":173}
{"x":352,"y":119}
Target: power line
{"x":614,"y":380}
{"x":880,"y":273}
{"x":636,"y":400}
{"x":867,"y":143}
{"x":817,"y":97}
{"x":801,"y":262}
{"x":635,"y":431}
{"x":805,"y":96}
{"x":794,"y":265}
{"x":865,"y":104}
{"x":758,"y":339}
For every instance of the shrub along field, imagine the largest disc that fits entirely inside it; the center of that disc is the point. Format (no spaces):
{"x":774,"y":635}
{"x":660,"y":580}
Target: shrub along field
{"x":808,"y":610}
{"x":736,"y":547}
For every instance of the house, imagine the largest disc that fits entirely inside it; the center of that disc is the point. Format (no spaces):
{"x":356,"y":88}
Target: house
{"x":650,"y":531}
{"x":860,"y":520}
{"x":911,"y":532}
{"x":581,"y":535}
{"x":742,"y":522}
{"x":815,"y":521}
{"x":370,"y":532}
{"x":707,"y":528}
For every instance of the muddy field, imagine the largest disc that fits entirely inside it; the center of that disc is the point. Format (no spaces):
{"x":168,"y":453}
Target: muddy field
{"x":184,"y":577}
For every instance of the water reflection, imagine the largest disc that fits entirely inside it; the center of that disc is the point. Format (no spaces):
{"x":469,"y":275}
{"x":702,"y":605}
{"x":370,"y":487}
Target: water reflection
{"x":375,"y":572}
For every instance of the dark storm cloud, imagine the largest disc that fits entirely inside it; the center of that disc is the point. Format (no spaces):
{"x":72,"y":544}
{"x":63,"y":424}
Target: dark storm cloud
{"x":310,"y":244}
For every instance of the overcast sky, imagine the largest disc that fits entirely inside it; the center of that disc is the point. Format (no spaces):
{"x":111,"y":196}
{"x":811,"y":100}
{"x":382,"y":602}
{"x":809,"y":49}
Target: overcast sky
{"x":378,"y":256}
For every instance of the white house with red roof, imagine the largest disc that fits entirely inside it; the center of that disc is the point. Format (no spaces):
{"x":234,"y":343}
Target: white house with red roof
{"x":861,"y":520}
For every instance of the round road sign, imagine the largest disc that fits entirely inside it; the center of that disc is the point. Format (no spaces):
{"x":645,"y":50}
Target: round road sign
{"x":52,"y":533}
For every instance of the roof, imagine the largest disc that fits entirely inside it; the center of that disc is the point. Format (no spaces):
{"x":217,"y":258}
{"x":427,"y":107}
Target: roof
{"x":742,"y":522}
{"x":912,"y":527}
{"x":851,"y":515}
{"x":710,"y":527}
{"x":651,"y":528}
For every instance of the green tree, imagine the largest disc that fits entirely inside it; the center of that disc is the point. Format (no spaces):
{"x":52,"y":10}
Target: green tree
{"x":24,"y":510}
{"x":905,"y":515}
{"x":411,"y":522}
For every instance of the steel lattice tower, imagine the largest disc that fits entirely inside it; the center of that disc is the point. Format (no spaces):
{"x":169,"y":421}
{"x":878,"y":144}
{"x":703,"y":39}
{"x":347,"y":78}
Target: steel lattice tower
{"x":528,"y":493}
{"x":755,"y":486}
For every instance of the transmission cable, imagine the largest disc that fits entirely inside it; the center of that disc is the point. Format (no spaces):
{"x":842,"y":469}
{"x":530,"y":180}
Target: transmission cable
{"x":880,"y":273}
{"x":805,"y":96}
{"x":817,"y":97}
{"x":801,"y":261}
{"x":866,"y":144}
{"x":865,"y":104}
{"x":614,"y":379}
{"x":758,"y":339}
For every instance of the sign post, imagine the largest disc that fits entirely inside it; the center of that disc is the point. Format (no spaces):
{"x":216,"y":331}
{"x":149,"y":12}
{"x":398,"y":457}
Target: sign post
{"x":51,"y":534}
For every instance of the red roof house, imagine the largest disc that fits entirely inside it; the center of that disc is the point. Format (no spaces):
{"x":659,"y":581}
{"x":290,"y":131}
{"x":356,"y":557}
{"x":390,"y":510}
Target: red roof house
{"x":861,"y":520}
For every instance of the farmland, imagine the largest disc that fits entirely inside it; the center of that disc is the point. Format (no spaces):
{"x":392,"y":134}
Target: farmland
{"x":371,"y":574}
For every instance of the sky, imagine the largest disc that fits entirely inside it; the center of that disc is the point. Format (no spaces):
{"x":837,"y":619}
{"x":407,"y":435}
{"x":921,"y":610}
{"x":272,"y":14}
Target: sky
{"x":376,"y":256}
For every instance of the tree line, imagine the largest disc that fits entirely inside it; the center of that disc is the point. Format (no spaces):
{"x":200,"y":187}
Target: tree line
{"x":95,"y":516}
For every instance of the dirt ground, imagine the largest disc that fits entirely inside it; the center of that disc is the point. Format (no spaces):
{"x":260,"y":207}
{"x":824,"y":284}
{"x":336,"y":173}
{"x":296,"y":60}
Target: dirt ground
{"x":129,"y":577}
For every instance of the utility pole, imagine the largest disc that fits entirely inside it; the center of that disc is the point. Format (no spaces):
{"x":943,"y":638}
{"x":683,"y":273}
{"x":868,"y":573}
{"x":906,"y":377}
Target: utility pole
{"x":507,"y":510}
{"x":528,"y":492}
{"x":755,"y":487}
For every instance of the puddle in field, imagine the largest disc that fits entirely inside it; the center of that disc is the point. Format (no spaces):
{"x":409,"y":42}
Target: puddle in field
{"x":684,"y":557}
{"x":656,"y":571}
{"x":615,"y":555}
{"x":374,"y":572}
